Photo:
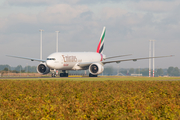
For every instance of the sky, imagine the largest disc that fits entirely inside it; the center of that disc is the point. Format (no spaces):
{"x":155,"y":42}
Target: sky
{"x":129,"y":26}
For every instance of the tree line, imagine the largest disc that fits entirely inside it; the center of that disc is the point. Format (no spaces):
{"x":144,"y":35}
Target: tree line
{"x":18,"y":69}
{"x":171,"y":71}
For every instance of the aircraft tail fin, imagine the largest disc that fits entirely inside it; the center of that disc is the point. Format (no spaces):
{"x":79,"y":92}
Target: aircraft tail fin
{"x":101,"y":42}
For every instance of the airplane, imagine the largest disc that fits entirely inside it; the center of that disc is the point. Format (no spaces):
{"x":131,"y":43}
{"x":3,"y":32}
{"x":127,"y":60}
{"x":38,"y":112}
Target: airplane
{"x":65,"y":61}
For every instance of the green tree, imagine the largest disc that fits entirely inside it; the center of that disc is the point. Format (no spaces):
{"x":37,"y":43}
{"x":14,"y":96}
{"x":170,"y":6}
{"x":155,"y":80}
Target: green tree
{"x":5,"y":69}
{"x":138,"y":71}
{"x":4,"y":66}
{"x":30,"y":69}
{"x":170,"y":71}
{"x":173,"y":71}
{"x":145,"y":72}
{"x":159,"y":72}
{"x":19,"y":68}
{"x":131,"y":71}
{"x":108,"y":71}
{"x":176,"y":71}
{"x":15,"y":71}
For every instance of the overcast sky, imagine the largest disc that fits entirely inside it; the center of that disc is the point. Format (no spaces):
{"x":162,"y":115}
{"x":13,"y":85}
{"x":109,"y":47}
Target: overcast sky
{"x":129,"y":25}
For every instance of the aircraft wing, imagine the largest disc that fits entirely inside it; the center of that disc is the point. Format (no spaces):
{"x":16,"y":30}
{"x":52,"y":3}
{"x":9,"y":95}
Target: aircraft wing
{"x":118,"y":56}
{"x":85,"y":64}
{"x":32,"y":59}
{"x":135,"y":59}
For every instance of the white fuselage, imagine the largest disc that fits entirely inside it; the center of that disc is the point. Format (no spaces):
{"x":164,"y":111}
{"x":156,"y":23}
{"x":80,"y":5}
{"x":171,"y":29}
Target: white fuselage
{"x":70,"y":60}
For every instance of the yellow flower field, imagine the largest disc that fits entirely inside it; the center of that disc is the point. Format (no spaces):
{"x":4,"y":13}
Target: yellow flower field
{"x":71,"y":99}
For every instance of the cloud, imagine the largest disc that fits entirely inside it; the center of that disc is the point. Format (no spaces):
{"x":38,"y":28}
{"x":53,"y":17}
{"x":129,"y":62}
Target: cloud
{"x":38,"y":2}
{"x":154,"y":6}
{"x":26,"y":2}
{"x":30,"y":2}
{"x":61,"y":13}
{"x":128,"y":30}
{"x":15,"y":23}
{"x":3,"y":24}
{"x":55,"y":15}
{"x":97,"y":1}
{"x":50,"y":2}
{"x":109,"y":12}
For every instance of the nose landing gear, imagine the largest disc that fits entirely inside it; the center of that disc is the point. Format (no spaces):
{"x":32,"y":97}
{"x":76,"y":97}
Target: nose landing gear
{"x":53,"y":75}
{"x":54,"y":72}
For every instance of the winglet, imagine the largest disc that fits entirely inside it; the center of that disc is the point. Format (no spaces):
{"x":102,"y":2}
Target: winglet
{"x":101,"y":42}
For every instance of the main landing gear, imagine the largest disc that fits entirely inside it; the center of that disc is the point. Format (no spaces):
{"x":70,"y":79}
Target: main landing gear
{"x":53,"y":75}
{"x":91,"y":75}
{"x":64,"y":74}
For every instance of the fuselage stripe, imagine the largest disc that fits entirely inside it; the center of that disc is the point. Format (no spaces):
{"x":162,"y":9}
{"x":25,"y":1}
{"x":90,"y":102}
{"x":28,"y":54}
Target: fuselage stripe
{"x":101,"y":56}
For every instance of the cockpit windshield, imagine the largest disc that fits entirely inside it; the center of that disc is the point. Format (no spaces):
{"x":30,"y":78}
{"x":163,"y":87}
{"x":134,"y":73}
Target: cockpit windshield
{"x":51,"y":59}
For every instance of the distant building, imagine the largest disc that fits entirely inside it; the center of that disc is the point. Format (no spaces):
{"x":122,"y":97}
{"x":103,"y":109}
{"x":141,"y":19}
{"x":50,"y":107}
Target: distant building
{"x":136,"y":74}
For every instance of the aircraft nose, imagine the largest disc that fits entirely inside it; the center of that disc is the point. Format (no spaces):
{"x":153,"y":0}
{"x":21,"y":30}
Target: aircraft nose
{"x":49,"y":64}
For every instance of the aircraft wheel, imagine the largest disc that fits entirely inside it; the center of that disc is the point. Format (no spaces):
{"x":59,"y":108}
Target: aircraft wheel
{"x":63,"y":75}
{"x":53,"y":75}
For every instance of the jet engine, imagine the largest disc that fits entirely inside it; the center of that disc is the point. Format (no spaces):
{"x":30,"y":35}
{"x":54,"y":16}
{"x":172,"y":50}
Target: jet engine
{"x":43,"y":69}
{"x":96,"y":68}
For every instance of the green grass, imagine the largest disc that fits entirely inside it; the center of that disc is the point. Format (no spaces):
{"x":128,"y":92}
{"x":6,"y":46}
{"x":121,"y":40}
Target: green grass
{"x":112,"y":78}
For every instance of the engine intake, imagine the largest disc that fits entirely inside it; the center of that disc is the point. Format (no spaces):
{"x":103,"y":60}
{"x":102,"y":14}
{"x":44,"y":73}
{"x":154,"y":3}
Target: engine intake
{"x":43,"y":69}
{"x":96,"y":68}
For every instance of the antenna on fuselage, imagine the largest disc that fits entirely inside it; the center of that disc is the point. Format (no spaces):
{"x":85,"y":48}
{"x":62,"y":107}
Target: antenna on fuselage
{"x":57,"y":41}
{"x":41,"y":43}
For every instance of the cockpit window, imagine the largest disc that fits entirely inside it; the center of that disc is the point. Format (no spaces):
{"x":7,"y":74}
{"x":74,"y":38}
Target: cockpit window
{"x":51,"y":59}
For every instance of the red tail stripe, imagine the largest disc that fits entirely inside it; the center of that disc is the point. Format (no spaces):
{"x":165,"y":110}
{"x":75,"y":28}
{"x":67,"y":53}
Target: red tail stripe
{"x":99,"y":46}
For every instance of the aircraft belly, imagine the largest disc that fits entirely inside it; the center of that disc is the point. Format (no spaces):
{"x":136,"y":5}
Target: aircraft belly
{"x":68,"y":66}
{"x":57,"y":66}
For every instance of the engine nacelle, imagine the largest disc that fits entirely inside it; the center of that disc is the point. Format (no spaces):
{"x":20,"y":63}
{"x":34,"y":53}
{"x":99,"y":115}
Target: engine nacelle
{"x":43,"y":69}
{"x":96,"y":68}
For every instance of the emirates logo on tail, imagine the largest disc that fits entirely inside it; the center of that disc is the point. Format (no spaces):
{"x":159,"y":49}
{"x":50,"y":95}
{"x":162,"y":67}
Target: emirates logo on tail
{"x":101,"y":42}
